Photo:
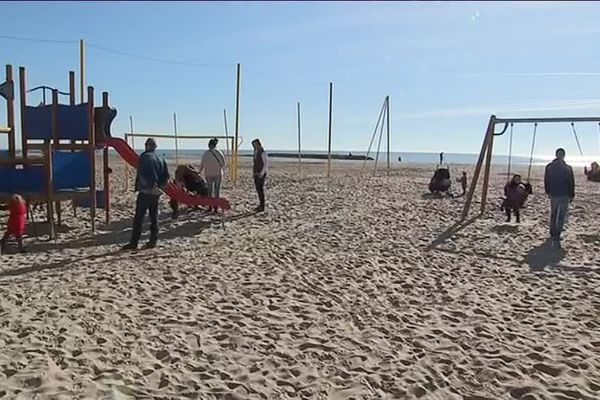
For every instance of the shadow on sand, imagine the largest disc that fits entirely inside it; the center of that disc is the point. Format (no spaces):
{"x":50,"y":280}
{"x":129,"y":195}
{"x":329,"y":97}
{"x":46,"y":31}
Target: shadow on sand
{"x":545,"y":255}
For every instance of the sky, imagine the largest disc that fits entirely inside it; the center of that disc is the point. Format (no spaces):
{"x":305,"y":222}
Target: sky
{"x":447,"y":66}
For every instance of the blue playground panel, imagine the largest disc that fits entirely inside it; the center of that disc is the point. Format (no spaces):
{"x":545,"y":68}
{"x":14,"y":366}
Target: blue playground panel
{"x":87,"y":203}
{"x":27,"y":180}
{"x":72,"y":122}
{"x":71,"y":170}
{"x":38,"y":121}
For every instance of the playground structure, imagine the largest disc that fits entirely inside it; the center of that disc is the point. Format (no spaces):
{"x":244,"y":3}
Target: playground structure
{"x":485,"y":155}
{"x":58,"y":153}
{"x":58,"y":150}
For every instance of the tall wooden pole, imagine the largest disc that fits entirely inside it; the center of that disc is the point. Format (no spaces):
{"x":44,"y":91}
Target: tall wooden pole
{"x":488,"y":164}
{"x":387,"y":108}
{"x":81,"y":69}
{"x":489,"y":133}
{"x":299,"y":144}
{"x":226,"y":138}
{"x":10,"y":114}
{"x":329,"y":136}
{"x":176,"y":141}
{"x":23,"y":101}
{"x":92,"y":150}
{"x":237,"y":124}
{"x":106,"y":169}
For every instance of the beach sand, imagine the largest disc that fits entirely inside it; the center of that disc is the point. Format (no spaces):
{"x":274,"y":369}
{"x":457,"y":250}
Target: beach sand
{"x":346,"y":288}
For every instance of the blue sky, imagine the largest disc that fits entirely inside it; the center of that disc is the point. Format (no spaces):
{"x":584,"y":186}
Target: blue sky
{"x":447,"y":67}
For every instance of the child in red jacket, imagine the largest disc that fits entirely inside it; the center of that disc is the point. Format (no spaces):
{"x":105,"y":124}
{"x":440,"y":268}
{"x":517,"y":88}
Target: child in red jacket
{"x":16,"y":222}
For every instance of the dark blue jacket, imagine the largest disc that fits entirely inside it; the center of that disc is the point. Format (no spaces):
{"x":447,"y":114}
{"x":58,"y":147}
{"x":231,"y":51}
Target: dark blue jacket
{"x":559,"y":180}
{"x":152,"y":173}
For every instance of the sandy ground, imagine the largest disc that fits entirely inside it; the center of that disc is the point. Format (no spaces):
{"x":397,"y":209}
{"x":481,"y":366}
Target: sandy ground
{"x":348,"y":288}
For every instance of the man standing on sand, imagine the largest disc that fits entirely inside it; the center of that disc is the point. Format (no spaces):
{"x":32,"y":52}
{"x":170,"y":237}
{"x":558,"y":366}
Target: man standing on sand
{"x":152,"y":177}
{"x":212,"y":164}
{"x":559,"y":184}
{"x":260,"y":172}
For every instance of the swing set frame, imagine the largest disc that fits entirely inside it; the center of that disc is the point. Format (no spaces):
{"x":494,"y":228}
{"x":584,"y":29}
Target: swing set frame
{"x":485,"y":155}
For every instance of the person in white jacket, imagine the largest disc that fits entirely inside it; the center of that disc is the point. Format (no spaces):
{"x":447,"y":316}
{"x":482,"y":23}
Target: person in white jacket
{"x":212,"y":164}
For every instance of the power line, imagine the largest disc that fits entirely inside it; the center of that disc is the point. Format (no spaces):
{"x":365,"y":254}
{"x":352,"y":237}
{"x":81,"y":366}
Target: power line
{"x":23,"y":39}
{"x":163,"y":60}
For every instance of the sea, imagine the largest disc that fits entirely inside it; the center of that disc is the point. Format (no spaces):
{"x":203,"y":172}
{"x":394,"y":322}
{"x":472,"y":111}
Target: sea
{"x":411,"y":157}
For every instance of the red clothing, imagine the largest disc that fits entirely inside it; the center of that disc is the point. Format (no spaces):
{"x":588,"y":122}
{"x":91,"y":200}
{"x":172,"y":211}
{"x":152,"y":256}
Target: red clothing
{"x":17,"y":219}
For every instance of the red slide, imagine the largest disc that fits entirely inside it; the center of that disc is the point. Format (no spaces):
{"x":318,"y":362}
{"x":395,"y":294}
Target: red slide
{"x":177,"y":194}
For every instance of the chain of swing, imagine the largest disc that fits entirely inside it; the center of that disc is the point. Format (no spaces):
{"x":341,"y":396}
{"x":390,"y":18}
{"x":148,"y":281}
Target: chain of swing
{"x":534,"y":136}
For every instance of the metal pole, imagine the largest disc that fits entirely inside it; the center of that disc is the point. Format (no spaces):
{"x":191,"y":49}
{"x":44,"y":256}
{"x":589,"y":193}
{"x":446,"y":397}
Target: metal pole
{"x":299,"y":144}
{"x":81,"y":69}
{"x":329,"y":140}
{"x":176,"y":142}
{"x":237,"y":125}
{"x":387,"y":107}
{"x":10,"y":114}
{"x":126,"y":164}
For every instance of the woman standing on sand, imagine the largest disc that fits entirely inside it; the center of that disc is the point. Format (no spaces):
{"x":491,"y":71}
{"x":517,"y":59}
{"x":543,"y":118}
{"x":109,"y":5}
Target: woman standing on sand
{"x":212,"y":164}
{"x":260,"y":172}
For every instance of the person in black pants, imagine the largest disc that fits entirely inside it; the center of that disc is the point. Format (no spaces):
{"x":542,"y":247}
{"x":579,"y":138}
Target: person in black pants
{"x":152,"y":177}
{"x":260,"y":173}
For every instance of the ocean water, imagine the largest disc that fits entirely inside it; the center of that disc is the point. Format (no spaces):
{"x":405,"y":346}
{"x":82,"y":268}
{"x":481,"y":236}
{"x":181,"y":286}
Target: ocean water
{"x":412,"y":157}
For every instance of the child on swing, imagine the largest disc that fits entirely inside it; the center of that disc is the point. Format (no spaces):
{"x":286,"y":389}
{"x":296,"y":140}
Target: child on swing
{"x":515,"y":192}
{"x":16,"y":222}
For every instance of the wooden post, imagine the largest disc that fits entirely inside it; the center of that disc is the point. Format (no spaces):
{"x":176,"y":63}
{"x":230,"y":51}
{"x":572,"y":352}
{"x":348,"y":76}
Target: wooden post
{"x":488,"y":164}
{"x":23,"y":98}
{"x":54,"y":142}
{"x":329,"y":136}
{"x":387,"y":107}
{"x":237,"y":124}
{"x":72,"y":88}
{"x":92,"y":151}
{"x":49,"y":188}
{"x":176,"y":142}
{"x":299,"y":145}
{"x":484,"y":146}
{"x":10,"y":115}
{"x":106,"y":169}
{"x":227,"y":139}
{"x":81,"y":69}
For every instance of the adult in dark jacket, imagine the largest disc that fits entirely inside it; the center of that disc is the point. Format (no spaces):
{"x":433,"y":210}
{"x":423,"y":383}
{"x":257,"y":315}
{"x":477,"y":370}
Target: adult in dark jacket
{"x":152,"y":177}
{"x":559,"y":184}
{"x":260,"y":165}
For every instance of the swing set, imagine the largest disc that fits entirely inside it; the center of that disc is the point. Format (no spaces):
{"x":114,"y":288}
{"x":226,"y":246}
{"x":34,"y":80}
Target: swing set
{"x":485,"y":155}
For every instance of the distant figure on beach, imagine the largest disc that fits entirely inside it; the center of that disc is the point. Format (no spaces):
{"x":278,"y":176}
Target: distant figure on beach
{"x":559,"y":184}
{"x":212,"y":164}
{"x":516,"y":193}
{"x":189,"y":179}
{"x":152,"y":177}
{"x":441,"y":158}
{"x":260,"y":165}
{"x":463,"y":182}
{"x":17,"y":218}
{"x":399,"y":159}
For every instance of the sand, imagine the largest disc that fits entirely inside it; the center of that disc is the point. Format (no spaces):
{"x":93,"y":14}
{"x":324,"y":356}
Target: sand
{"x":348,"y":288}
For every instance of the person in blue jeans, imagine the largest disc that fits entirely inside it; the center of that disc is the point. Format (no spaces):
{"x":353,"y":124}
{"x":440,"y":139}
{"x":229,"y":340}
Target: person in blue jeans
{"x":559,"y":183}
{"x":152,"y":176}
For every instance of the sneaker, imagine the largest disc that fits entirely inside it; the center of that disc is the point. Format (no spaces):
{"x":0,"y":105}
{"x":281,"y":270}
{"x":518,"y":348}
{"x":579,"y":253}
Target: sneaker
{"x":150,"y":245}
{"x":130,"y":246}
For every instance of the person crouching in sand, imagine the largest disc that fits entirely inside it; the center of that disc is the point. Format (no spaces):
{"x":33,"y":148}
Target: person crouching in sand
{"x":16,"y":222}
{"x":187,"y":178}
